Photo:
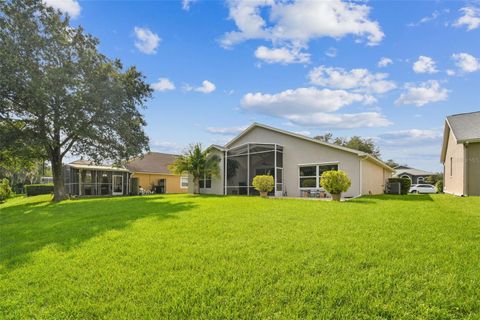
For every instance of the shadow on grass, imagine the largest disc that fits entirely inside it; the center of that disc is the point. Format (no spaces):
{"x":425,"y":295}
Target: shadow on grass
{"x":389,"y":197}
{"x":29,"y":227}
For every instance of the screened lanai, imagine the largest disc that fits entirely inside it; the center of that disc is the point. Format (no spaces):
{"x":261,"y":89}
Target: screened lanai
{"x":245,"y":162}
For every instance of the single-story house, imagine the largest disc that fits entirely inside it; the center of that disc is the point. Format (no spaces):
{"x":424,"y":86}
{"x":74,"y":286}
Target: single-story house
{"x":416,"y":176}
{"x":461,"y":154}
{"x":83,"y":178}
{"x":295,"y":161}
{"x":153,"y":174}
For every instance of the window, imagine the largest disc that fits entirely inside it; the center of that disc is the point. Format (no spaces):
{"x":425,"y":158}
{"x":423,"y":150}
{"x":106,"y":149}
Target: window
{"x":310,"y":175}
{"x":184,"y":182}
{"x":420,"y":180}
{"x":206,"y":181}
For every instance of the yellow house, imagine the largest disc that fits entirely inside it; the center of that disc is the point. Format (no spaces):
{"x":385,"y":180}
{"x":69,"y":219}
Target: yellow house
{"x":153,"y":174}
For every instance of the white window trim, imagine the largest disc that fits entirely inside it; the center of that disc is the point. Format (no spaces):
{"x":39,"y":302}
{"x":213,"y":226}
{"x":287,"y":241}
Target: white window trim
{"x":205,"y":179}
{"x":317,"y":178}
{"x":181,"y":184}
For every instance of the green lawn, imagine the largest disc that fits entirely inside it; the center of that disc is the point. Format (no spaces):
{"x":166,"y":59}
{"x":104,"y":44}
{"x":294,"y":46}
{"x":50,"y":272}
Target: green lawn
{"x":159,"y":257}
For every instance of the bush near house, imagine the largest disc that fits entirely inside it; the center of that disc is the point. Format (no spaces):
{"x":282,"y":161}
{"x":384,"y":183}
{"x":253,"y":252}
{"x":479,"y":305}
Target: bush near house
{"x":263,"y":184}
{"x":335,"y":182}
{"x":439,"y":186}
{"x":38,"y":189}
{"x":405,"y":184}
{"x":5,"y":190}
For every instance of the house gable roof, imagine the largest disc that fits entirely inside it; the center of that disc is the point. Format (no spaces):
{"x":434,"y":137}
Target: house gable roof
{"x":465,"y":128}
{"x":152,"y":162}
{"x":412,"y":172}
{"x":361,"y":154}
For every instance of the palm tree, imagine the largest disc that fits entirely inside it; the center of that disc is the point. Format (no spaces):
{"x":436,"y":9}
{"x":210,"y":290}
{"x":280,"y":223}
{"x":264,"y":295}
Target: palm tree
{"x":196,"y":163}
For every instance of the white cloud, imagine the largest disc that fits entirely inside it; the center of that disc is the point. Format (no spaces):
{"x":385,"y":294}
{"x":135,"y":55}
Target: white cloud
{"x":470,"y":18}
{"x":301,"y":100}
{"x":146,"y":40}
{"x":341,"y":121}
{"x":229,"y":131}
{"x":384,"y":62}
{"x":295,"y":23}
{"x":426,"y":19}
{"x":466,"y":62}
{"x":402,"y":137}
{"x":450,"y":72}
{"x":70,"y":7}
{"x":166,"y":146}
{"x":331,"y":52}
{"x":163,"y":84}
{"x":425,"y":64}
{"x":426,"y":92}
{"x":281,"y":55}
{"x":303,"y":133}
{"x":186,"y":4}
{"x":357,"y":79}
{"x":206,"y":87}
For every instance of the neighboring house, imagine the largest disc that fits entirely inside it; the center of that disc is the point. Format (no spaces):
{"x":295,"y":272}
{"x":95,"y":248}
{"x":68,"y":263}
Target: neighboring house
{"x":83,"y":178}
{"x":296,"y":162}
{"x":153,"y":174}
{"x":416,"y":176}
{"x":461,"y":154}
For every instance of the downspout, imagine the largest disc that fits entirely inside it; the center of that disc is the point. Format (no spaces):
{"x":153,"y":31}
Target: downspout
{"x":465,"y":169}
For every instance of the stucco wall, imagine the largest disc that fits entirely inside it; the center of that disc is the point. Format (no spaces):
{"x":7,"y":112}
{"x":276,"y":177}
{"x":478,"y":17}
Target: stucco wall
{"x":473,"y":172}
{"x":146,"y":181}
{"x":217,"y":182}
{"x":374,"y":178}
{"x":454,"y":167}
{"x":299,"y":151}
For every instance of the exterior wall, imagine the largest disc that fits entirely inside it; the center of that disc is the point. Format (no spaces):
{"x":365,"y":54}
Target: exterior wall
{"x":217,"y":182}
{"x":148,"y":180}
{"x":454,"y":167}
{"x":473,"y":171}
{"x":374,"y":178}
{"x":298,"y":151}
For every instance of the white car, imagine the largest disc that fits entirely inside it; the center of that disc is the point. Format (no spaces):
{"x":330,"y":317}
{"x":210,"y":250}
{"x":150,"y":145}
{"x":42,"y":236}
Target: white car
{"x":422,"y":188}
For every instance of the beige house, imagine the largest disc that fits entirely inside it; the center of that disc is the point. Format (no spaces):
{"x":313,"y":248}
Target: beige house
{"x":461,"y":154}
{"x":153,"y":174}
{"x":295,"y":161}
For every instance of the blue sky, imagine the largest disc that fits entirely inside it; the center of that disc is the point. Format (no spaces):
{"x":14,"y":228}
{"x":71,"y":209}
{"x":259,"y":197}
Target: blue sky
{"x":386,"y":70}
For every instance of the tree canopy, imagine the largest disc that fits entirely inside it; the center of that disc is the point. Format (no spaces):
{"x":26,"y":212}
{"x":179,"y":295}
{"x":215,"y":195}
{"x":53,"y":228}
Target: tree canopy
{"x":356,"y":142}
{"x":67,"y":96}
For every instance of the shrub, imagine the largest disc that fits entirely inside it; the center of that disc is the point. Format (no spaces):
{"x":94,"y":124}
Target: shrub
{"x":405,"y":184}
{"x":36,"y":189}
{"x":335,"y":182}
{"x":5,"y":190}
{"x":263,"y":183}
{"x":439,"y":186}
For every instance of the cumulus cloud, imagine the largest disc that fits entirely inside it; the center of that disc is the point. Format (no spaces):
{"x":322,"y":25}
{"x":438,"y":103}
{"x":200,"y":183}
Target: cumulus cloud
{"x":166,"y":146}
{"x":409,"y":136}
{"x":163,"y":84}
{"x":470,"y":18}
{"x":360,"y":80}
{"x":314,"y":107}
{"x":295,"y":23}
{"x":187,"y":3}
{"x":146,"y":40}
{"x":466,"y":62}
{"x":282,"y":55}
{"x":341,"y":121}
{"x":206,"y":87}
{"x":384,"y":62}
{"x":425,"y":64}
{"x":228,"y":131}
{"x":427,"y":92}
{"x":70,"y":7}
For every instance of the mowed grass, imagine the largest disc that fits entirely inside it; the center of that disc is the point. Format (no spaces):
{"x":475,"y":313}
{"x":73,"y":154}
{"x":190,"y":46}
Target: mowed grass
{"x":189,"y":257}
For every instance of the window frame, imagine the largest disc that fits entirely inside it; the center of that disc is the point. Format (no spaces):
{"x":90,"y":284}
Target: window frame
{"x":317,"y":176}
{"x":181,"y":182}
{"x":207,"y":177}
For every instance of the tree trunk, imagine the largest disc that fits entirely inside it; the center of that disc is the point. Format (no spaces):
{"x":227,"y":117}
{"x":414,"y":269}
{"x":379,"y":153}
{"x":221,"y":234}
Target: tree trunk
{"x":196,"y":185}
{"x":57,"y":172}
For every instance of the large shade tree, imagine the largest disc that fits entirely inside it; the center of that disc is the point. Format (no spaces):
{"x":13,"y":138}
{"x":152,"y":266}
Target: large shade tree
{"x":68,"y":97}
{"x":197,"y":163}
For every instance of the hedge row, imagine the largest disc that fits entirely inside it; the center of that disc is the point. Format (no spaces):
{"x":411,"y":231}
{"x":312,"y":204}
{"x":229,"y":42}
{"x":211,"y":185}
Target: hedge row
{"x":405,"y":184}
{"x":36,"y":189}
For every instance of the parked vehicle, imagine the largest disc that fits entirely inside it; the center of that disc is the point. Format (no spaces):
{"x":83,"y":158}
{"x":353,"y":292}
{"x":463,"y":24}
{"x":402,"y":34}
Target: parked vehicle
{"x":422,"y":188}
